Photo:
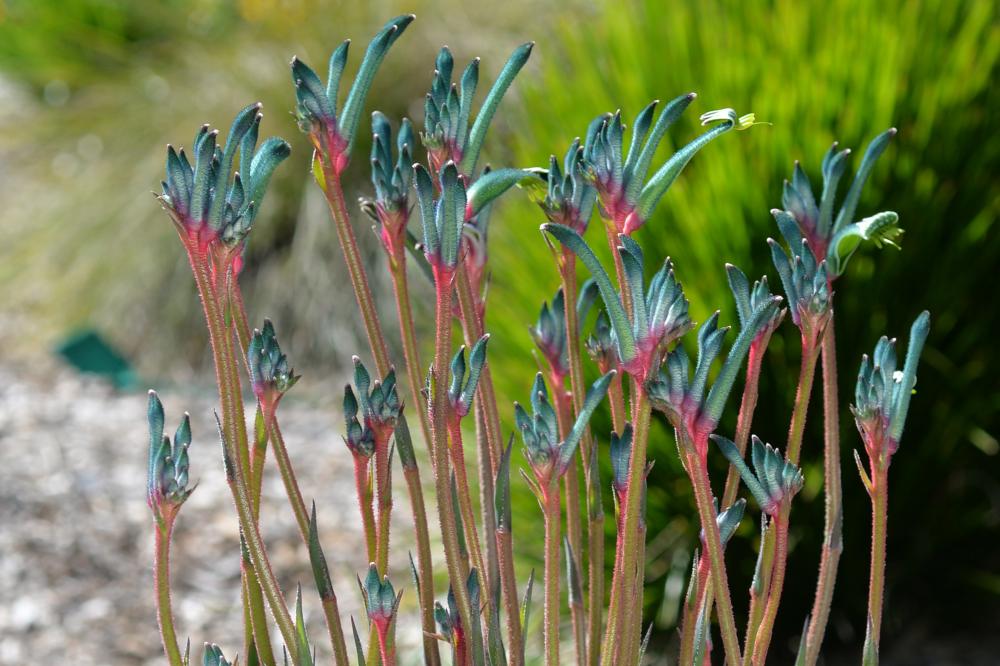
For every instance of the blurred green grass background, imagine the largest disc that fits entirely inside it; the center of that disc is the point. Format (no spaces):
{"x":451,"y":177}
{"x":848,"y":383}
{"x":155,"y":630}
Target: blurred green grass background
{"x":92,"y":90}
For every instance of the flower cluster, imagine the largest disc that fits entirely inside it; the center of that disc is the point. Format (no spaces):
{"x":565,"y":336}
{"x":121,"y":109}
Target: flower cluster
{"x":210,"y":206}
{"x":773,"y":479}
{"x":626,"y":198}
{"x":681,"y":396}
{"x":379,"y":407}
{"x":334,"y":130}
{"x":462,"y":390}
{"x":167,"y":477}
{"x":882,"y":394}
{"x":391,"y":178}
{"x":448,"y":134}
{"x":270,"y":374}
{"x":549,"y":455}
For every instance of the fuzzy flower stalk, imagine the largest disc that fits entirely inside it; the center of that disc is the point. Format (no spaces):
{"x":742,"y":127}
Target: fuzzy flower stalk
{"x":881,"y":401}
{"x":550,"y":456}
{"x":213,"y":210}
{"x":831,"y":235}
{"x":166,"y":490}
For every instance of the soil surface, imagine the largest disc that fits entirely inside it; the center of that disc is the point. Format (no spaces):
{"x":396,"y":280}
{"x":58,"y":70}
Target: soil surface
{"x":76,"y":535}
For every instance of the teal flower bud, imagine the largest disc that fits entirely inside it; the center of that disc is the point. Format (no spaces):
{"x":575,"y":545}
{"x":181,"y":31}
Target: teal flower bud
{"x":381,"y":600}
{"x":549,"y":334}
{"x":619,"y":176}
{"x":685,"y":399}
{"x":214,"y":657}
{"x":659,"y":314}
{"x":442,"y":219}
{"x":548,"y":455}
{"x":833,"y":235}
{"x":167,"y":472}
{"x":270,"y":374}
{"x":727,"y":520}
{"x":882,"y":394}
{"x":392,"y":179}
{"x":449,"y":135}
{"x":749,"y":299}
{"x":359,"y":439}
{"x":379,"y":406}
{"x":334,"y":130}
{"x":621,"y":456}
{"x":462,"y":390}
{"x":773,"y":478}
{"x":207,"y":202}
{"x":570,"y":198}
{"x":807,"y":285}
{"x":601,"y":345}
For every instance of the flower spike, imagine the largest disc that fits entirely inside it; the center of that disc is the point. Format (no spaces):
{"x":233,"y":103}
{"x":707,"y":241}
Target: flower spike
{"x":807,"y":284}
{"x":448,"y":135}
{"x":270,"y":374}
{"x":381,"y":600}
{"x":660,"y":313}
{"x":682,"y":397}
{"x":882,"y":394}
{"x":392,"y":179}
{"x":625,"y":197}
{"x":378,"y":404}
{"x":549,"y":334}
{"x":549,"y":457}
{"x":210,"y":205}
{"x":461,"y":391}
{"x":167,"y":474}
{"x":835,"y":239}
{"x":773,"y":478}
{"x":570,"y":197}
{"x":333,"y":132}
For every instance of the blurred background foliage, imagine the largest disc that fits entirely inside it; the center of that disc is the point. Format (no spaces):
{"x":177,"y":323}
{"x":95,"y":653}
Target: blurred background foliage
{"x":92,"y":90}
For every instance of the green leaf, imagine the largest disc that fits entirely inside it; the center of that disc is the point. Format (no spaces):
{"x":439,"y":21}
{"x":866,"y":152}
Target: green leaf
{"x":488,"y":187}
{"x":377,"y":48}
{"x":486,"y":112}
{"x":668,"y":173}
{"x":671,"y":112}
{"x":612,"y":303}
{"x":872,"y":153}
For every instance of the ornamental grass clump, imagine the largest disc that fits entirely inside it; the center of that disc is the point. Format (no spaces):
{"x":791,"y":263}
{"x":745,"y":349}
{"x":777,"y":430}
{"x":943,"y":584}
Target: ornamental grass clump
{"x":473,"y":608}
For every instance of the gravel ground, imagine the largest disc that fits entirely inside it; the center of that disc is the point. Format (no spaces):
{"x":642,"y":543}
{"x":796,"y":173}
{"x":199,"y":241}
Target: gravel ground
{"x":76,"y":535}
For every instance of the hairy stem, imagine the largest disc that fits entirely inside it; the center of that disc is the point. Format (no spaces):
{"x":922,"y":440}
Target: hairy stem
{"x":414,"y":369}
{"x":355,"y":267}
{"x":833,"y":543}
{"x":594,"y":596}
{"x":383,"y":492}
{"x":689,"y":621}
{"x":362,"y":487}
{"x":258,"y":619}
{"x":331,"y":610}
{"x":630,"y":530}
{"x":161,"y":580}
{"x":438,"y":412}
{"x":426,"y":587}
{"x":515,"y":639}
{"x":571,"y":486}
{"x":745,"y":419}
{"x":552,"y":543}
{"x":713,"y":543}
{"x":763,"y":638}
{"x":235,"y":443}
{"x":876,"y":583}
{"x":465,"y":496}
{"x":408,"y":334}
{"x":756,"y":640}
